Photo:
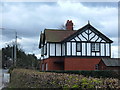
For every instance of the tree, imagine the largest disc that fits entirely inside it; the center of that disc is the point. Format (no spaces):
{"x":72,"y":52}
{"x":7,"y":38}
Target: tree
{"x":23,"y":60}
{"x":7,"y":57}
{"x":62,"y":27}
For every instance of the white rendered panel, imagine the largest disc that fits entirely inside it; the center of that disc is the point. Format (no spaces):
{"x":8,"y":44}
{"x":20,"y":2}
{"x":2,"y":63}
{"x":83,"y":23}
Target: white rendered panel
{"x":88,"y":49}
{"x":95,"y":38}
{"x":58,"y":49}
{"x":91,"y":35}
{"x":68,"y":48}
{"x":52,"y":49}
{"x":93,"y":53}
{"x":47,"y":50}
{"x":63,"y":49}
{"x":77,"y":39}
{"x":99,"y":39}
{"x":107,"y":49}
{"x":102,"y":49}
{"x":81,"y":37}
{"x":97,"y":53}
{"x":72,"y":40}
{"x":103,"y":41}
{"x":90,"y":31}
{"x":78,"y":53}
{"x":47,"y":55}
{"x":44,"y":49}
{"x":83,"y":49}
{"x":86,"y":31}
{"x":42,"y":52}
{"x":85,"y":35}
{"x":73,"y":48}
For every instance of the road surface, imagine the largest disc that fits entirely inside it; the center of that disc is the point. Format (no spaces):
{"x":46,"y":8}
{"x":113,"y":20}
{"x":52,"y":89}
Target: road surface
{"x":4,"y":78}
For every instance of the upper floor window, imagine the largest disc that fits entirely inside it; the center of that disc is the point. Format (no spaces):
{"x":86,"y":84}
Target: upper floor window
{"x":95,"y":47}
{"x":78,"y":47}
{"x":45,"y":49}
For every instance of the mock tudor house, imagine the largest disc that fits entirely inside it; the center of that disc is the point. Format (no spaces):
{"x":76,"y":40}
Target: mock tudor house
{"x":69,"y":49}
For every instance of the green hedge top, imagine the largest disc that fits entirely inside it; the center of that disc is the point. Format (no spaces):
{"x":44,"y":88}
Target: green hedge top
{"x":103,"y":74}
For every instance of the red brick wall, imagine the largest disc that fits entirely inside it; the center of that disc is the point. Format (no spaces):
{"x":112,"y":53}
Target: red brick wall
{"x":71,"y":63}
{"x":51,"y":65}
{"x":102,"y":66}
{"x":113,"y":68}
{"x":77,"y":63}
{"x":44,"y":62}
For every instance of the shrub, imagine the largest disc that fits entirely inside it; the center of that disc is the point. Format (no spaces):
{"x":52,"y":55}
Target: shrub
{"x":98,"y":74}
{"x":24,"y":78}
{"x":11,"y":69}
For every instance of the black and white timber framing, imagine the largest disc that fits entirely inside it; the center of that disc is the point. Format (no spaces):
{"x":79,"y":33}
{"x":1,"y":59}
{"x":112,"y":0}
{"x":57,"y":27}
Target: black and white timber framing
{"x":85,"y":37}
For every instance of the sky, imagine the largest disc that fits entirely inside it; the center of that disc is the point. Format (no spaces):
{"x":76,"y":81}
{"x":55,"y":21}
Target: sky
{"x":28,"y":19}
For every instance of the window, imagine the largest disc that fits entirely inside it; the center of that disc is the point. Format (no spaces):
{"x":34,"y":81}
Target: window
{"x":95,"y":47}
{"x":43,"y":67}
{"x":46,"y":66}
{"x":96,"y":67}
{"x":78,"y":46}
{"x":45,"y":49}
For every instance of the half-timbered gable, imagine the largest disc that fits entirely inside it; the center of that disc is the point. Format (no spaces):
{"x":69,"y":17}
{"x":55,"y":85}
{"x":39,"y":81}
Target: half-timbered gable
{"x":56,"y":45}
{"x":88,"y":41}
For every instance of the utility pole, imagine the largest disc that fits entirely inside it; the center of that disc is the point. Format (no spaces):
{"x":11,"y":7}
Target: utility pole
{"x":15,"y":49}
{"x":14,"y":46}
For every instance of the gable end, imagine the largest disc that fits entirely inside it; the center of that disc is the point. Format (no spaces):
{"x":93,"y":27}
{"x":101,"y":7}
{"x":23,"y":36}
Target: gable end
{"x":83,"y":30}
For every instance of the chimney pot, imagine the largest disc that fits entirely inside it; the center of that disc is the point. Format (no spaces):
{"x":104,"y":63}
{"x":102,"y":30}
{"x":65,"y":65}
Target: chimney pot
{"x":69,"y":25}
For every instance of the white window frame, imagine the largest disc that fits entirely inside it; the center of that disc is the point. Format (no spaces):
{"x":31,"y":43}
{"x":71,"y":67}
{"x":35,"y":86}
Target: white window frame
{"x":78,"y":46}
{"x":95,"y":47}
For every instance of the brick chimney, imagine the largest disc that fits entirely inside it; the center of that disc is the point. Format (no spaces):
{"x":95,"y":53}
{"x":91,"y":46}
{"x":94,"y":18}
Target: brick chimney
{"x":69,"y":25}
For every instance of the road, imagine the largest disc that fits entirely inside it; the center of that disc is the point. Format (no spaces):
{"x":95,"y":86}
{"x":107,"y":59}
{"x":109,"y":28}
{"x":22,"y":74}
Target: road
{"x":1,"y":85}
{"x":4,"y":78}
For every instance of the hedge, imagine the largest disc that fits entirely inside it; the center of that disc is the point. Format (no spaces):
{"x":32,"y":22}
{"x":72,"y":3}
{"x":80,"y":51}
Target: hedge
{"x":24,"y":78}
{"x":98,"y":74}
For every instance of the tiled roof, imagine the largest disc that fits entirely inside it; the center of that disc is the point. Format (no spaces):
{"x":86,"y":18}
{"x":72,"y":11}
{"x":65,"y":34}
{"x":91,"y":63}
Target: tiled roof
{"x":111,"y":61}
{"x":54,"y":35}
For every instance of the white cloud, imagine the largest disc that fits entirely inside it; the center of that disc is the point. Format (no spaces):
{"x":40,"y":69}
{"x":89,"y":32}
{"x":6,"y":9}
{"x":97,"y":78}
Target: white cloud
{"x":114,"y":51}
{"x":29,"y":19}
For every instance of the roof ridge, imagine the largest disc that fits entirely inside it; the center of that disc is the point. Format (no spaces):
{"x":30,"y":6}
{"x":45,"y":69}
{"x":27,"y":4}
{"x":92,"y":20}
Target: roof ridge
{"x":59,"y":30}
{"x":54,"y":29}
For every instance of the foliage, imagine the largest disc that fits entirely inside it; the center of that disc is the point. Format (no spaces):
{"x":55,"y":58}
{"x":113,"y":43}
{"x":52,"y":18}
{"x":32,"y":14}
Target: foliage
{"x":6,"y":55}
{"x":98,"y":74}
{"x":11,"y":69}
{"x":23,"y":60}
{"x":24,"y":78}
